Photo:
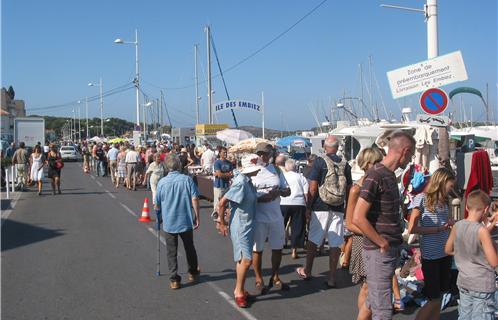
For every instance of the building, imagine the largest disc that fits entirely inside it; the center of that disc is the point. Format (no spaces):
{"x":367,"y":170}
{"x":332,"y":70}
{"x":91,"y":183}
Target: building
{"x":10,"y":109}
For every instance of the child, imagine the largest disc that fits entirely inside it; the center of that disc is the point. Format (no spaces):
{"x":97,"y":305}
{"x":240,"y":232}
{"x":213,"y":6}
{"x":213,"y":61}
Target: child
{"x":430,"y":219}
{"x":476,"y":258}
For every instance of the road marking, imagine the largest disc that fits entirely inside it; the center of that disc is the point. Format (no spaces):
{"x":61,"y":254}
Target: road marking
{"x":154,"y":232}
{"x":128,"y":209}
{"x":13,"y":202}
{"x":230,"y":301}
{"x":99,"y":183}
{"x":110,"y":194}
{"x":92,"y":177}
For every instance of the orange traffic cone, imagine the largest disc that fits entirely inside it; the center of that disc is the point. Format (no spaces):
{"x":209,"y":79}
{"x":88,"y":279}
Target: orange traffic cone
{"x":145,"y":212}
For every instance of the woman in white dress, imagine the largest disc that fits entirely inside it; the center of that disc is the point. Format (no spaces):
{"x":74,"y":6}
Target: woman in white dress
{"x":37,"y":164}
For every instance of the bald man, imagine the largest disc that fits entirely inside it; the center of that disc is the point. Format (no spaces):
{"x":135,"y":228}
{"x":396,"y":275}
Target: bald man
{"x":377,"y":216}
{"x":325,"y":220}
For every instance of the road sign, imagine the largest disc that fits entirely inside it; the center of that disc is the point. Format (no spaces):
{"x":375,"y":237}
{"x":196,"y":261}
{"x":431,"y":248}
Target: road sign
{"x":434,"y":101}
{"x":427,"y":74}
{"x":436,"y":121}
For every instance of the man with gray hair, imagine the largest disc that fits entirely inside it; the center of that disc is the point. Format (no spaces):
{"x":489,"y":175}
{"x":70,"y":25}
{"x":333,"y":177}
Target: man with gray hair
{"x":177,"y":204}
{"x":326,"y":217}
{"x":377,"y":216}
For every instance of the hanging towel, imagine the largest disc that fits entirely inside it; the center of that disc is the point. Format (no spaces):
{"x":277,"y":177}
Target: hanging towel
{"x":481,"y":176}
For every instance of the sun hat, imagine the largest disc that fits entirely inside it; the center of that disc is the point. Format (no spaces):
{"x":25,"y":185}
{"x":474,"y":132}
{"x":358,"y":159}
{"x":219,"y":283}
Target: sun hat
{"x":251,"y":163}
{"x":183,"y":150}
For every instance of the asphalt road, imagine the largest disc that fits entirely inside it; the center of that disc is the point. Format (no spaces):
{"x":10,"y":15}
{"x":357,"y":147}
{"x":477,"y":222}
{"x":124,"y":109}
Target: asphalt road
{"x":83,"y":255}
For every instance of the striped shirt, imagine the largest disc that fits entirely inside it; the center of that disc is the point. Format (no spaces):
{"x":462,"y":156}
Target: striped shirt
{"x":380,"y":189}
{"x":432,"y":245}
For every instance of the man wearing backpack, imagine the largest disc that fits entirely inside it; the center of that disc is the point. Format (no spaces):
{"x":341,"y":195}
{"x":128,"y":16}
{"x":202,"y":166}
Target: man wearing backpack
{"x":329,"y":182}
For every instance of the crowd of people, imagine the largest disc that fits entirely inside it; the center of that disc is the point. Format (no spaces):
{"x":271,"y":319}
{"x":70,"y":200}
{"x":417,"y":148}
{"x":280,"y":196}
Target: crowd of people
{"x":262,"y":198}
{"x":260,"y":201}
{"x":29,"y":166}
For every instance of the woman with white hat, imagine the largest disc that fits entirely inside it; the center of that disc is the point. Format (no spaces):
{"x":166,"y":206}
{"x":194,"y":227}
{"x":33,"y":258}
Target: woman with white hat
{"x":242,"y":197}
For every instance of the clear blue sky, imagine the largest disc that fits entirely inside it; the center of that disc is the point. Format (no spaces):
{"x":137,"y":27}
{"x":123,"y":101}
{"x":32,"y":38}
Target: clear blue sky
{"x":52,"y":49}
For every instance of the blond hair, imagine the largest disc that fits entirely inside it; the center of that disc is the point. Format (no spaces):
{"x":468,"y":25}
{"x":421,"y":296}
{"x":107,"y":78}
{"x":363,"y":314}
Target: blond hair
{"x":436,"y":190}
{"x":368,"y":156}
{"x":477,"y":200}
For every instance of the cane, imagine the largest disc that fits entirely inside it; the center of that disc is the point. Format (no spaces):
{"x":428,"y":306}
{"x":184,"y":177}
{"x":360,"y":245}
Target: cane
{"x":159,"y":221}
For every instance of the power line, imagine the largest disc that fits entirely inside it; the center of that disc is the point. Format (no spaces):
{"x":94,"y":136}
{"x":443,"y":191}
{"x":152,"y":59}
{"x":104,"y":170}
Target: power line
{"x":252,"y":54}
{"x":113,"y":91}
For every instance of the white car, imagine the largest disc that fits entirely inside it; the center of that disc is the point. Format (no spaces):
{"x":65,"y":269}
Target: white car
{"x":69,"y":153}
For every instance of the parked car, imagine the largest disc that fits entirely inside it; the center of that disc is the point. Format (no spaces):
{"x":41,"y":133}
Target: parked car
{"x":70,"y":153}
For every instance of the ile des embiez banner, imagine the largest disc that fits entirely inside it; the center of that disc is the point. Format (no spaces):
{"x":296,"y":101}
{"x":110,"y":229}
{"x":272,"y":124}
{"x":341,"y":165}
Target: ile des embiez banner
{"x":237,"y":104}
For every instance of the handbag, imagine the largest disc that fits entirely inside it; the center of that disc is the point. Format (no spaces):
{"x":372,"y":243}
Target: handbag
{"x":59,"y":164}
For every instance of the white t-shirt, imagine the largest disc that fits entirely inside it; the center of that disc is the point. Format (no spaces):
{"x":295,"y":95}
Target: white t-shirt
{"x":208,"y":159}
{"x":46,"y":149}
{"x":132,"y":157}
{"x":299,"y":187}
{"x":265,"y":181}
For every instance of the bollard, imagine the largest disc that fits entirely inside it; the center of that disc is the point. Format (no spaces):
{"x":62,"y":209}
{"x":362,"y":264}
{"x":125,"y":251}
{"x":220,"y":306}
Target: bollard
{"x":12,"y":178}
{"x":456,"y":210}
{"x":7,"y":182}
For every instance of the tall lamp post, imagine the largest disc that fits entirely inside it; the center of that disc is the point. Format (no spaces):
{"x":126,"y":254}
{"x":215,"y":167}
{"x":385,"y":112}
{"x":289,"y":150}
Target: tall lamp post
{"x":137,"y":72}
{"x":101,"y":105}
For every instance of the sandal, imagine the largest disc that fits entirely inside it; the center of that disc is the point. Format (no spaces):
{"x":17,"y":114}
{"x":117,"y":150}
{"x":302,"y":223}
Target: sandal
{"x":241,"y":302}
{"x":260,"y":289}
{"x":300,"y":272}
{"x":279,"y":285}
{"x":329,"y":286}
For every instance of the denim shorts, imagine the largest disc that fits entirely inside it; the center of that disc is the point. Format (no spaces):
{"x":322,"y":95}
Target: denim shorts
{"x":476,"y":305}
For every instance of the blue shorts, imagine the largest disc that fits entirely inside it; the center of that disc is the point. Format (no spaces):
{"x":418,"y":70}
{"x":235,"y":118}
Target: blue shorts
{"x":476,"y":305}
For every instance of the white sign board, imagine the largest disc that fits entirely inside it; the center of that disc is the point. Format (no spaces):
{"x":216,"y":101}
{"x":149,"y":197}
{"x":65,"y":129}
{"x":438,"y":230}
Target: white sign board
{"x":237,"y":104}
{"x":436,"y":121}
{"x":427,"y":74}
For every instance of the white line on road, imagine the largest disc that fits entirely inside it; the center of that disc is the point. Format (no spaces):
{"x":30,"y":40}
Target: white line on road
{"x":99,"y":183}
{"x":128,"y":209}
{"x":110,"y":194}
{"x":6,"y":213}
{"x":92,"y":177}
{"x":154,"y":232}
{"x":228,"y":299}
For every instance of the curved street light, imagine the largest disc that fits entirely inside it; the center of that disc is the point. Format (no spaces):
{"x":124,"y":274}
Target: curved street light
{"x":91,"y":84}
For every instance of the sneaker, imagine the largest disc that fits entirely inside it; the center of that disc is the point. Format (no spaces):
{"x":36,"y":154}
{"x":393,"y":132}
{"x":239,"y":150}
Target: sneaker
{"x":175,"y":284}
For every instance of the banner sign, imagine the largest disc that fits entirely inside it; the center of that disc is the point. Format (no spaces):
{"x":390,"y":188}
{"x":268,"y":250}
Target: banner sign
{"x":237,"y":104}
{"x":209,"y":129}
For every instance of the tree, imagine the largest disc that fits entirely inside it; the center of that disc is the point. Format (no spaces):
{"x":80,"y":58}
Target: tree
{"x":11,"y":93}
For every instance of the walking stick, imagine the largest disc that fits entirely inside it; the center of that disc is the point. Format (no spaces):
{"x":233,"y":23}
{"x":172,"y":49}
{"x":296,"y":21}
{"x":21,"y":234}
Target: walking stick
{"x":159,"y":221}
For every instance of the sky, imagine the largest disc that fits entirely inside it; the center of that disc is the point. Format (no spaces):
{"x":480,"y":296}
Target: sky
{"x":52,"y":49}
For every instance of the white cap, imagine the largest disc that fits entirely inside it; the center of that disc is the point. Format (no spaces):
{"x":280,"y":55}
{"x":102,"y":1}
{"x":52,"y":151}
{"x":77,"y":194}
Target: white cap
{"x":251,"y":163}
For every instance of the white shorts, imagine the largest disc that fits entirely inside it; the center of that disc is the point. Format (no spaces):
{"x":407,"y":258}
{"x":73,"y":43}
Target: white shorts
{"x":327,"y":223}
{"x":273,"y":231}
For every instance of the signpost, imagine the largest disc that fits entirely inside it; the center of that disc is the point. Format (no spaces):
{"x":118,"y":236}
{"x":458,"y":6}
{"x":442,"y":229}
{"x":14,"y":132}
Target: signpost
{"x":427,"y":74}
{"x":434,"y":101}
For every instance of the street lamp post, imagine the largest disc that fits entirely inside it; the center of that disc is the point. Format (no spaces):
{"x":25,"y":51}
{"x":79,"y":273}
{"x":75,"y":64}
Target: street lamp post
{"x":137,"y":72}
{"x":86,"y":111}
{"x":101,"y":106}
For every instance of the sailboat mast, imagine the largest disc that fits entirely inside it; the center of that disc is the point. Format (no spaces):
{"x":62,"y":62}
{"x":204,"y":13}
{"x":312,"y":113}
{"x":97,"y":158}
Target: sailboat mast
{"x":208,"y":43}
{"x":196,"y":86}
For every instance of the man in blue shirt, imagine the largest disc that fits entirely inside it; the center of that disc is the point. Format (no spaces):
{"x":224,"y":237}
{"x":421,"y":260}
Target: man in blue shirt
{"x":177,"y":204}
{"x":222,"y":176}
{"x":112,"y":156}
